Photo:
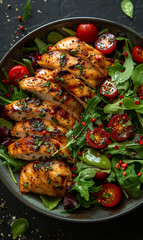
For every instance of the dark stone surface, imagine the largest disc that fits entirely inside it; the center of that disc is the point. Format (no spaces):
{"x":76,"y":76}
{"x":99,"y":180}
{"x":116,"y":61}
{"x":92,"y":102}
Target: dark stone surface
{"x":42,"y":227}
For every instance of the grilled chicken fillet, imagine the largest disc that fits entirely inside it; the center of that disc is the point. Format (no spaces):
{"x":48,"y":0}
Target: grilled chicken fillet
{"x":36,"y":147}
{"x":81,"y":49}
{"x":67,"y":80}
{"x":81,"y":69}
{"x":50,"y":178}
{"x":37,"y":126}
{"x":34,"y":108}
{"x":52,"y":92}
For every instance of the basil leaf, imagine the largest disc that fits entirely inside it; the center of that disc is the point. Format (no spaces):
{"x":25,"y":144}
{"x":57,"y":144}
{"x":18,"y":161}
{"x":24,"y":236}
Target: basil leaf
{"x":127,"y":8}
{"x":27,"y":9}
{"x":137,"y":77}
{"x":19,"y":227}
{"x":50,"y":202}
{"x":6,"y":123}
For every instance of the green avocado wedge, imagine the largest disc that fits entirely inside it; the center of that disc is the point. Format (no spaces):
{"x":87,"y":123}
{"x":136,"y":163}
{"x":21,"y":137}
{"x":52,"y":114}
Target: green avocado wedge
{"x":93,"y":157}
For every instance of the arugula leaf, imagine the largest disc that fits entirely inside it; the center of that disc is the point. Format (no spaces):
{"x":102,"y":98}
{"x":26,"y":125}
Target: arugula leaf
{"x":19,"y":227}
{"x":122,"y":78}
{"x":27,"y":9}
{"x":11,"y":172}
{"x":131,"y":182}
{"x":137,"y":77}
{"x":6,"y":123}
{"x":9,"y":160}
{"x":127,"y":8}
{"x":127,"y":148}
{"x":50,"y":202}
{"x":114,"y":108}
{"x":29,"y":49}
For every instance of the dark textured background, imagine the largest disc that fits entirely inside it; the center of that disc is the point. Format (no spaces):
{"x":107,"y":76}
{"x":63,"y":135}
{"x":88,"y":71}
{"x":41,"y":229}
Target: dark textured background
{"x":128,"y":227}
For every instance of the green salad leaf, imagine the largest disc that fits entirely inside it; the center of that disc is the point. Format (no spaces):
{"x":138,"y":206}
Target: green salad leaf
{"x":6,"y":123}
{"x":131,"y":182}
{"x":54,"y":37}
{"x":19,"y":227}
{"x":69,"y":31}
{"x":137,"y":77}
{"x":42,"y":46}
{"x":50,"y":202}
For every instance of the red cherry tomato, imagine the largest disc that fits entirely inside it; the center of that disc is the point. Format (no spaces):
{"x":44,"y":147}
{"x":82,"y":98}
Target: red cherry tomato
{"x":109,"y":89}
{"x":137,"y":54}
{"x":110,"y":195}
{"x":87,"y":32}
{"x":121,"y":126}
{"x":106,"y":43}
{"x":17,"y":73}
{"x":140,"y":91}
{"x":101,"y":175}
{"x":97,"y":139}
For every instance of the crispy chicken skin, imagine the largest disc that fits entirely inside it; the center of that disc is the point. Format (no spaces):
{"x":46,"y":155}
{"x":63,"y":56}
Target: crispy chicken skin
{"x":68,"y":81}
{"x":34,"y":108}
{"x":50,"y":178}
{"x":81,"y":69}
{"x":81,"y":49}
{"x":52,"y":92}
{"x":36,"y":126}
{"x":36,"y":147}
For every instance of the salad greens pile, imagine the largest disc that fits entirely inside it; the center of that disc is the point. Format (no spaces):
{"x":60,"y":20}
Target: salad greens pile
{"x":128,"y":78}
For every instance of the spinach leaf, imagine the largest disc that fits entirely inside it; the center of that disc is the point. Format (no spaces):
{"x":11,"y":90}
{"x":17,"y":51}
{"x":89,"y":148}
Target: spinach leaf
{"x":130,"y":183}
{"x":69,"y":31}
{"x":19,"y":227}
{"x":6,"y":123}
{"x":54,"y":37}
{"x":50,"y":202}
{"x":42,"y":47}
{"x":27,"y":9}
{"x":127,"y":8}
{"x":137,"y":77}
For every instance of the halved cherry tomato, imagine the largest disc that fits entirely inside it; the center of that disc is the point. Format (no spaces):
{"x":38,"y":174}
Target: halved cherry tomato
{"x":140,"y":91}
{"x":106,"y":43}
{"x":87,"y":32}
{"x":110,"y":195}
{"x":17,"y":73}
{"x":97,"y":139}
{"x":101,"y":175}
{"x":109,"y":89}
{"x":137,"y":54}
{"x":121,"y":126}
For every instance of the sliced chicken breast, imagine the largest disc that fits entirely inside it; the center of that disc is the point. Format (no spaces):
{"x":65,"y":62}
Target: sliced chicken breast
{"x":35,"y":147}
{"x":54,"y":93}
{"x":35,"y":108}
{"x":68,"y":81}
{"x":49,"y":178}
{"x":37,"y":126}
{"x":73,"y":45}
{"x":80,"y":68}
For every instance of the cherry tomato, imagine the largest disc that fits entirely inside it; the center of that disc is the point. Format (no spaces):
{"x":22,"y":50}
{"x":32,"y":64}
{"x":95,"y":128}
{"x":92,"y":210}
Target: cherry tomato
{"x":106,"y":43}
{"x":87,"y":32}
{"x":140,"y":91}
{"x":97,"y":139}
{"x":137,"y":54}
{"x":101,"y":175}
{"x":108,"y":89}
{"x":17,"y":73}
{"x":110,"y":195}
{"x":121,"y":126}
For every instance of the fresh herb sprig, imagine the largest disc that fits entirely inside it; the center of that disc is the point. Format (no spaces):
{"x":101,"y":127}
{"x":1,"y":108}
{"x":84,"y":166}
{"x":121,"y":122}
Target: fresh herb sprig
{"x":27,"y":10}
{"x":19,"y":227}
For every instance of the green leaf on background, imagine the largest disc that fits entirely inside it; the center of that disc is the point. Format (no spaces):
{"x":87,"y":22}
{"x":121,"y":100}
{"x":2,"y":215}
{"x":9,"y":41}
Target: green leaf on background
{"x":27,"y":9}
{"x":69,"y":31}
{"x":19,"y":227}
{"x":50,"y":202}
{"x":127,"y":7}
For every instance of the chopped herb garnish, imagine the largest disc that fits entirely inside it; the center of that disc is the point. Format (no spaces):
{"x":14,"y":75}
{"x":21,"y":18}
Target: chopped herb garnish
{"x":47,"y":84}
{"x":55,"y":99}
